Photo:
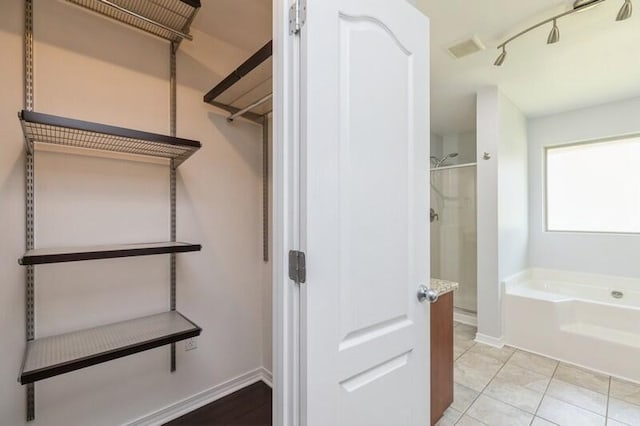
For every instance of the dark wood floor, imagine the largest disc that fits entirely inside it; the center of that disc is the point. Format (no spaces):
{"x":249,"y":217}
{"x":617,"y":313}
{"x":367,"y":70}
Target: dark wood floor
{"x":250,"y":406}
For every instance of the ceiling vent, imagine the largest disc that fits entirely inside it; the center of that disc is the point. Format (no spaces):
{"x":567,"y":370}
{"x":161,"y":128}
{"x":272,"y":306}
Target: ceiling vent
{"x":466,"y":47}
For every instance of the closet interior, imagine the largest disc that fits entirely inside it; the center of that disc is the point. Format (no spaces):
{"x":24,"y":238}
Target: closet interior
{"x":243,"y":97}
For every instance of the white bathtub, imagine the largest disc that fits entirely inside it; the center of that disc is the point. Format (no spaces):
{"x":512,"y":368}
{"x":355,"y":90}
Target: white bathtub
{"x":576,"y":318}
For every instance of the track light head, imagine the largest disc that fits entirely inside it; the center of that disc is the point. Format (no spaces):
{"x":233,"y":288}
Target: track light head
{"x":582,"y":5}
{"x":625,"y":11}
{"x":554,"y":35}
{"x":501,"y":57}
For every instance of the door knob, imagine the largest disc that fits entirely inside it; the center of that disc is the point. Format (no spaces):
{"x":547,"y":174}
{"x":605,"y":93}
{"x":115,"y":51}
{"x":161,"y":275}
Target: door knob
{"x":426,"y":293}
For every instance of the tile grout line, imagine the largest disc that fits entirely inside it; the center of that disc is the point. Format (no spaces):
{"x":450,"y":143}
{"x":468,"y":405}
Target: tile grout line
{"x":555,"y":370}
{"x":484,"y":388}
{"x":588,"y":410}
{"x":544,"y":394}
{"x":454,"y":362}
{"x":511,"y":405}
{"x":466,"y":350}
{"x":573,"y":405}
{"x":474,"y":400}
{"x":506,"y":403}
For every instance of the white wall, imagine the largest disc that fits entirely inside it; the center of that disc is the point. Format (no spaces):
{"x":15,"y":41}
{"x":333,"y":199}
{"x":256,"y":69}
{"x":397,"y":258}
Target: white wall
{"x":513,"y":199}
{"x":90,"y":68}
{"x":502,"y":203}
{"x":610,"y":254}
{"x":488,"y":130}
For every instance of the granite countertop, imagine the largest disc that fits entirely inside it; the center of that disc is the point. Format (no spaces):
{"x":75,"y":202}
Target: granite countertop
{"x":443,"y":286}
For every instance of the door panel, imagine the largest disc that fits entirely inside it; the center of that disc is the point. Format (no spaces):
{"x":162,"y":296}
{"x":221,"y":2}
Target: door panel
{"x":366,"y":144}
{"x":359,"y":391}
{"x":364,"y":161}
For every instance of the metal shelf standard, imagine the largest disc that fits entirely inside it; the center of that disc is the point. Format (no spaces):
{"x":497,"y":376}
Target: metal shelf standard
{"x":167,"y":19}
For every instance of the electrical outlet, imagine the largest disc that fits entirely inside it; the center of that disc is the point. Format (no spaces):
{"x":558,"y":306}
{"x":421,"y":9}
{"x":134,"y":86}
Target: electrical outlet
{"x":190,"y":344}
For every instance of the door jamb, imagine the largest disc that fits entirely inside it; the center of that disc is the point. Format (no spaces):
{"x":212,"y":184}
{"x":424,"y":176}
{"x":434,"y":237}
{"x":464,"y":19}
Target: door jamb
{"x":285,"y":213}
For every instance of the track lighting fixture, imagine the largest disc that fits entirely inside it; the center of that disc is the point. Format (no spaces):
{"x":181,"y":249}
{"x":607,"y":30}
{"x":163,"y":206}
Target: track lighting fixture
{"x":625,"y":11}
{"x":554,"y":36}
{"x":583,"y":5}
{"x":501,"y":58}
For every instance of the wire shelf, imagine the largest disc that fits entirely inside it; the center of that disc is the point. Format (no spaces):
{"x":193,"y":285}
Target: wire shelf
{"x":246,"y":91}
{"x":167,"y":19}
{"x":51,"y":356}
{"x":74,"y":254}
{"x":51,"y":129}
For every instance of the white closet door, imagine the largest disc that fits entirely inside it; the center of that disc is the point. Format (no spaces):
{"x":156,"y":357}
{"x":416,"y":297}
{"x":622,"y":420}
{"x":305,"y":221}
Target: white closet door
{"x":364,"y":213}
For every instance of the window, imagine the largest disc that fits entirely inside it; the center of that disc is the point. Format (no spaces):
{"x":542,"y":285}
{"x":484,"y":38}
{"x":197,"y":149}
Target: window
{"x":594,"y":187}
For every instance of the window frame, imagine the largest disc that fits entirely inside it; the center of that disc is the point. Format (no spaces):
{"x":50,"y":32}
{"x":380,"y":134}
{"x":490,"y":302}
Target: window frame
{"x":545,"y":178}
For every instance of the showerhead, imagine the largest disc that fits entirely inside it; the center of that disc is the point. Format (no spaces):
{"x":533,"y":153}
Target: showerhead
{"x":445,"y":158}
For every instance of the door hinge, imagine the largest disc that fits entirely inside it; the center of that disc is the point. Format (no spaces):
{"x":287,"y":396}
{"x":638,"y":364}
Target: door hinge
{"x":297,"y":266}
{"x":297,"y":16}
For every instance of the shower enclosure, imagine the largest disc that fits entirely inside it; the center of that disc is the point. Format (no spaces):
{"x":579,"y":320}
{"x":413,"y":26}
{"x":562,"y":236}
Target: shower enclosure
{"x":453,"y":232}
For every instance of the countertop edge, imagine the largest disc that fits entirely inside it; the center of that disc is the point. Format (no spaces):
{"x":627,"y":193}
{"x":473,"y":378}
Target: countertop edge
{"x":443,"y":286}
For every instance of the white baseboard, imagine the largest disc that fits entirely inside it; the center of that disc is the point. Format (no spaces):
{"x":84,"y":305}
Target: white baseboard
{"x":267,"y":377}
{"x":203,"y":398}
{"x":496,"y":342}
{"x":465,"y":318}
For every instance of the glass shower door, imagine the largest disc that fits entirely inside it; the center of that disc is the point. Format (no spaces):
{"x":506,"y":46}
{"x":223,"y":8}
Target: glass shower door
{"x":453,"y":231}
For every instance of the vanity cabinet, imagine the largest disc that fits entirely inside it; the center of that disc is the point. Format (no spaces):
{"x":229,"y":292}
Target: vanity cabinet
{"x":441,"y":356}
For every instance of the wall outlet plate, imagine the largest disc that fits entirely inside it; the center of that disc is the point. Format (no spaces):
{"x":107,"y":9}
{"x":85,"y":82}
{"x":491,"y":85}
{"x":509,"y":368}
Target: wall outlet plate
{"x":191,"y":344}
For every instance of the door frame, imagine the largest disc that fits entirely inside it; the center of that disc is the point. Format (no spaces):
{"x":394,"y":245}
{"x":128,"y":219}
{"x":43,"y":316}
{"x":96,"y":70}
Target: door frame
{"x":285,"y":210}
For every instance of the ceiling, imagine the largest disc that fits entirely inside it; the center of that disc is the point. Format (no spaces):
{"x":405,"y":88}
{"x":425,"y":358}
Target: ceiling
{"x":597,"y":60}
{"x":245,"y":24}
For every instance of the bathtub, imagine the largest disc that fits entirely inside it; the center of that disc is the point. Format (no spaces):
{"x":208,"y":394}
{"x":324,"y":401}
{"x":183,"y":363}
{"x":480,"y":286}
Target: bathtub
{"x":587,"y":320}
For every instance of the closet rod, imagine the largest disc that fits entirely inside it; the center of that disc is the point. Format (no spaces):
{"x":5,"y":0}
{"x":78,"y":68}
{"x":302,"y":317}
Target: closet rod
{"x":144,"y":18}
{"x":249,"y":108}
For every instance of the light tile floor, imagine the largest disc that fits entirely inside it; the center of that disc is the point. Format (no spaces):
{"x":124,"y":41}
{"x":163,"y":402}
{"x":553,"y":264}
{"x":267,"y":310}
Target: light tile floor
{"x":511,"y":387}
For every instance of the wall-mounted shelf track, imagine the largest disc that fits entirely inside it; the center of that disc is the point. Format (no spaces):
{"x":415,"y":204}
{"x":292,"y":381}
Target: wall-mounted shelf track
{"x":51,"y":129}
{"x":167,"y":19}
{"x":246,"y":92}
{"x":54,"y":355}
{"x":73,"y":254}
{"x":51,"y":356}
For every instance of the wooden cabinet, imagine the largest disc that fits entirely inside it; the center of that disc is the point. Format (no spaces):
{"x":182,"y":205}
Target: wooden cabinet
{"x":441,"y":356}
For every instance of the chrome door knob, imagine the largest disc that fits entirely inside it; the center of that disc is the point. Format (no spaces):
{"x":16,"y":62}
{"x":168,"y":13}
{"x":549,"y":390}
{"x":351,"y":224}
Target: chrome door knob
{"x":426,"y":293}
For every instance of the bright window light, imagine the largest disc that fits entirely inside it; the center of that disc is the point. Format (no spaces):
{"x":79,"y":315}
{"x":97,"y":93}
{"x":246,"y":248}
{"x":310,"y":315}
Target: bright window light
{"x":594,"y":187}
